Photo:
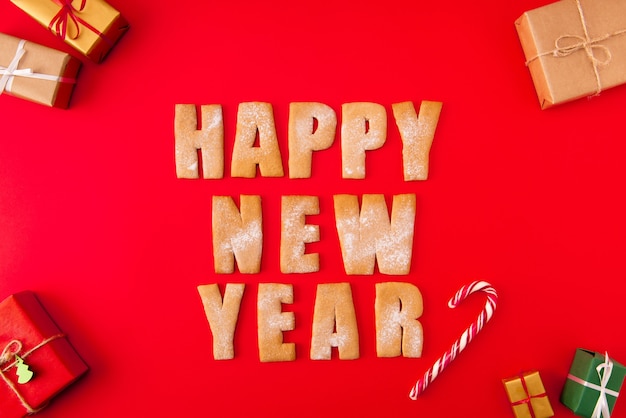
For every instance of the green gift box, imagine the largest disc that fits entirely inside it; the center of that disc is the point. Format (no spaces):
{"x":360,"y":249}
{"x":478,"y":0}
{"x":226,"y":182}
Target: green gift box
{"x":593,"y":384}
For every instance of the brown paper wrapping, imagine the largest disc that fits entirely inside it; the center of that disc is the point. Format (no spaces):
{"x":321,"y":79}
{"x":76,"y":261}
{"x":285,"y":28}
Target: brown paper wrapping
{"x":571,"y":74}
{"x":97,"y":13}
{"x":41,"y":60}
{"x":533,"y":396}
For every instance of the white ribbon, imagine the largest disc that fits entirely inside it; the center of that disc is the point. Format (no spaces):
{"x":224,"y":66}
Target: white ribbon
{"x":604,"y":371}
{"x":10,"y":72}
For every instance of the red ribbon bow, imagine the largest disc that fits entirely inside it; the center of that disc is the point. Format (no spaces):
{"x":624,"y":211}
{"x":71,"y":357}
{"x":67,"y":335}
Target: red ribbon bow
{"x":59,"y":23}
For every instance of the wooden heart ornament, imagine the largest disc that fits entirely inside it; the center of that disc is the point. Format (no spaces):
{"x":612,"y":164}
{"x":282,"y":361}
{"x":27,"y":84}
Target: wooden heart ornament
{"x":467,"y":336}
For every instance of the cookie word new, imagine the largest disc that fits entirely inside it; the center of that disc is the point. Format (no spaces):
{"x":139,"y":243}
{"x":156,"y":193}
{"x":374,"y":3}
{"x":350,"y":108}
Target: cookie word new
{"x":367,"y":234}
{"x":312,"y":127}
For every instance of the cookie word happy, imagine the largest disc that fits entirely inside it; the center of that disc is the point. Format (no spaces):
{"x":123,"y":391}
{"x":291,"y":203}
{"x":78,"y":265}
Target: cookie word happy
{"x":312,"y":127}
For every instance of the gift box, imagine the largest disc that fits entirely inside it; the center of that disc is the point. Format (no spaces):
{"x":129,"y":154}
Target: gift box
{"x":528,"y":396}
{"x":36,"y":73}
{"x":32,"y":346}
{"x":574,"y":48}
{"x":593,"y":384}
{"x":92,"y":27}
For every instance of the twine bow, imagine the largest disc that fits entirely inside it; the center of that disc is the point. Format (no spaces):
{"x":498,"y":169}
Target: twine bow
{"x":8,"y":353}
{"x":11,"y":349}
{"x":564,"y":47}
{"x":604,"y":370}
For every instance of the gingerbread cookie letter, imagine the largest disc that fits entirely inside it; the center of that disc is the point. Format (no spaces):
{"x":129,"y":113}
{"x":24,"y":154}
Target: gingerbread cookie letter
{"x":417,"y":133}
{"x":272,"y":322}
{"x":305,"y":137}
{"x":237,"y":234}
{"x":295,"y":233}
{"x":334,"y":323}
{"x":370,"y":235}
{"x":256,"y":119}
{"x":208,"y":138}
{"x":398,"y":306}
{"x":222,"y":316}
{"x":363,"y":128}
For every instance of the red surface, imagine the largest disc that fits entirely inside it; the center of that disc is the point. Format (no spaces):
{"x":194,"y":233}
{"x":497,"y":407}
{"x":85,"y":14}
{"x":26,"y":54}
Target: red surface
{"x":95,"y":221}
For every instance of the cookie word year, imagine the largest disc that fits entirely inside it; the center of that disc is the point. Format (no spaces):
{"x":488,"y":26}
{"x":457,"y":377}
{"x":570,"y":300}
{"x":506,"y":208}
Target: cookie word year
{"x":397,"y":307}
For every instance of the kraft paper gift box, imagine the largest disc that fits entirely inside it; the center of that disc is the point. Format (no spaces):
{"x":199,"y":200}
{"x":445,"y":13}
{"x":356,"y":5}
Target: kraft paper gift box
{"x":574,"y":48}
{"x":28,"y":332}
{"x":528,"y":396}
{"x":36,"y":73}
{"x":593,"y":384}
{"x":92,"y":27}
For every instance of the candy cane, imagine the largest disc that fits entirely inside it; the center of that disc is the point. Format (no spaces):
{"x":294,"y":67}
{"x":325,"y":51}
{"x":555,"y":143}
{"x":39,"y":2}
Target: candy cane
{"x":467,"y":336}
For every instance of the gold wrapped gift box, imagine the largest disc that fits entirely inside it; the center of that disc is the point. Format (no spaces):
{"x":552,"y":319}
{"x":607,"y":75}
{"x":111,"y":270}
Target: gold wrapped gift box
{"x":92,"y":27}
{"x":528,"y":396}
{"x":574,"y":48}
{"x":42,"y":75}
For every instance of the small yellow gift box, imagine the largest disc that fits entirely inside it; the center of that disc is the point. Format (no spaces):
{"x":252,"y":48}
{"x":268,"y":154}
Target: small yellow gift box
{"x":528,"y":396}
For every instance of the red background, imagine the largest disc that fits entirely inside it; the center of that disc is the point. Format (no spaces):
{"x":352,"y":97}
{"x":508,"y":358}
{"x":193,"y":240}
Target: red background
{"x":94,"y":220}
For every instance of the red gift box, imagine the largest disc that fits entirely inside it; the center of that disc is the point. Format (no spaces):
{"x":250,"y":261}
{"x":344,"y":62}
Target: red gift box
{"x":26,"y":330}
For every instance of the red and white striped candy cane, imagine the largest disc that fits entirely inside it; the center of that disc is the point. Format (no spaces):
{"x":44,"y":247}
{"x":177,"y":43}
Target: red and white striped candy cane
{"x":467,"y":336}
